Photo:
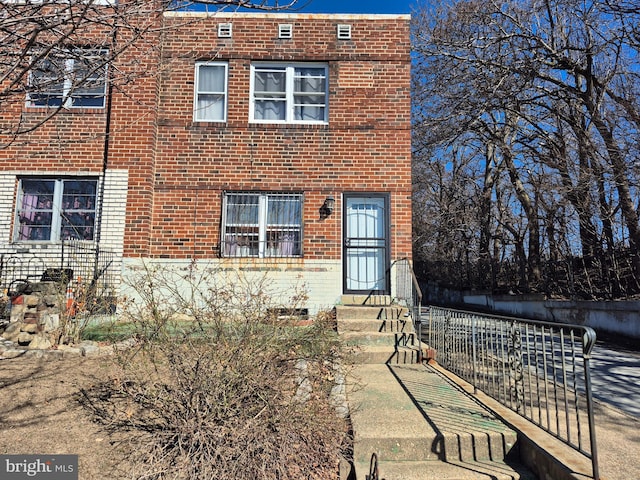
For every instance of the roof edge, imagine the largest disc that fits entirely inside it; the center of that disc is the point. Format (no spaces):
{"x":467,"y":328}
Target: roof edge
{"x":293,"y":16}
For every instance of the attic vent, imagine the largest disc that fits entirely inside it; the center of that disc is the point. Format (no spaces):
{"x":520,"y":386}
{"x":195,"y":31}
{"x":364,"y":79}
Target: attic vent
{"x":224,"y":30}
{"x":344,"y":31}
{"x":285,"y":30}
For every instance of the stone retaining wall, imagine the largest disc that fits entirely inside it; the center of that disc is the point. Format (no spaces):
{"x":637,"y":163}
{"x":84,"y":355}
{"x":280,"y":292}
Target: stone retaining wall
{"x":34,"y":315}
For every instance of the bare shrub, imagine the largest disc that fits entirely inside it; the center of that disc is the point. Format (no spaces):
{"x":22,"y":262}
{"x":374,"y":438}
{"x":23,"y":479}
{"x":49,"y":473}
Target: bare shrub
{"x":204,"y":394}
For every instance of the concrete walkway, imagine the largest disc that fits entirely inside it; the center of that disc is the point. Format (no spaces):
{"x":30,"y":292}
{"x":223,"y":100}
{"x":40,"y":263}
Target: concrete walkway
{"x":413,"y":421}
{"x":423,"y":422}
{"x":423,"y":426}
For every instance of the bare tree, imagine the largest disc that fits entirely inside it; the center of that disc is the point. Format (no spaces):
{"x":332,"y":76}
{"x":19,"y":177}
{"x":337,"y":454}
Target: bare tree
{"x":59,"y":54}
{"x":550,"y":88}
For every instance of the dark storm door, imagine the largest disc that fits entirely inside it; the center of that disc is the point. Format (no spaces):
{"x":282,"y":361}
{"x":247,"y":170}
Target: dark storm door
{"x":366,"y":243}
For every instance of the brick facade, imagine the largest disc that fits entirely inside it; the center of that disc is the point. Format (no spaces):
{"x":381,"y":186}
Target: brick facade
{"x":176,"y":170}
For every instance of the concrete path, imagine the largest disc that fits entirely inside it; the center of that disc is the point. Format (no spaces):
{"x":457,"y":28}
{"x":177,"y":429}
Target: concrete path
{"x":615,"y":373}
{"x":425,"y":423}
{"x":423,"y":426}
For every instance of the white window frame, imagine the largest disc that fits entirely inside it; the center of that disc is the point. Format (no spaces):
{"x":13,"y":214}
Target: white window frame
{"x":197,"y":93}
{"x":70,"y":93}
{"x":289,"y":94}
{"x":268,"y":240}
{"x":57,"y":211}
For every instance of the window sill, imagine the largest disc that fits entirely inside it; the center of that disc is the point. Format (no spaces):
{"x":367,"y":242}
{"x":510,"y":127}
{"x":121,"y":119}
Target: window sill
{"x":200,"y":125}
{"x":221,"y":126}
{"x":265,"y":258}
{"x":288,"y":126}
{"x":64,"y":111}
{"x":47,"y":243}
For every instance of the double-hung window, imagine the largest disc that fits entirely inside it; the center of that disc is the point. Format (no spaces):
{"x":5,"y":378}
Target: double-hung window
{"x":50,"y":210}
{"x":74,"y":79}
{"x":210,"y":103}
{"x":289,"y":93}
{"x":262,"y":225}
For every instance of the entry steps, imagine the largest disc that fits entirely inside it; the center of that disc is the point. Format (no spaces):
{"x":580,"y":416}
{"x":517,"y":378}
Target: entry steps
{"x":417,"y":422}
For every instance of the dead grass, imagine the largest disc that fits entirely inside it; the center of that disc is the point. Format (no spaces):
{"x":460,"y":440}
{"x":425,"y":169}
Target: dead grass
{"x":40,"y":413}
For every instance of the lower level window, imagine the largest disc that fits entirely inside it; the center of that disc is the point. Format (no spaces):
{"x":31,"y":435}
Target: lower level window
{"x":55,"y":209}
{"x":262,"y":225}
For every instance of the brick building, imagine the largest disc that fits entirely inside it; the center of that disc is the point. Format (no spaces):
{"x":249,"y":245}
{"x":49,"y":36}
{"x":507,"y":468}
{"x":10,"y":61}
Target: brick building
{"x":267,"y":144}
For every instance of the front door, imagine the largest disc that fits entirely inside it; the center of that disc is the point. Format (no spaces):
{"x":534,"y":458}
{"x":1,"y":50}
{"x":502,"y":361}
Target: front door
{"x":366,"y":243}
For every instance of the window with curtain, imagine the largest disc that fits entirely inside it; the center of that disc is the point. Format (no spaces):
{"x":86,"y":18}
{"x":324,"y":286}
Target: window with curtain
{"x":73,"y":79}
{"x":55,"y":209}
{"x":262,"y":225}
{"x":211,"y":92}
{"x":289,"y":93}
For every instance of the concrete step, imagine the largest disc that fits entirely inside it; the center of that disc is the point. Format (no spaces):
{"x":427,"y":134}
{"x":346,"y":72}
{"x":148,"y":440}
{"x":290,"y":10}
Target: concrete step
{"x":368,"y":312}
{"x":409,"y":413}
{"x":351,"y":325}
{"x":384,"y":354}
{"x":403,"y":339}
{"x":366,"y":300}
{"x":431,"y":470}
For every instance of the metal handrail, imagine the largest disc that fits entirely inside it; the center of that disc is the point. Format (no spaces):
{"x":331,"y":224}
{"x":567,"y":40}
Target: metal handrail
{"x":409,"y":294}
{"x":538,"y":369}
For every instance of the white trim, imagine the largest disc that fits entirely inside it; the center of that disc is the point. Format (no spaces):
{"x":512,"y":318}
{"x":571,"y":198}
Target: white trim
{"x":289,"y":69}
{"x":343,"y":31}
{"x":292,"y":16}
{"x":224,"y":94}
{"x":285,"y":31}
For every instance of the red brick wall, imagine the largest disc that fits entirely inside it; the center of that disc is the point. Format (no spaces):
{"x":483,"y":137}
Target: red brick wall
{"x":364,"y":147}
{"x":178,"y":168}
{"x":74,"y":140}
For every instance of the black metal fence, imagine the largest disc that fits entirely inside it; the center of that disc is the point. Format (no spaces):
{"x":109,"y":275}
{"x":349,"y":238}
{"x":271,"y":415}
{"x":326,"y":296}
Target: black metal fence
{"x":607,"y":277}
{"x":538,"y":369}
{"x":91,"y":273}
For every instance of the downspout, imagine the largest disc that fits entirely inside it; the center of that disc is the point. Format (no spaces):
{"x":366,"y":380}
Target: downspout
{"x":105,"y":158}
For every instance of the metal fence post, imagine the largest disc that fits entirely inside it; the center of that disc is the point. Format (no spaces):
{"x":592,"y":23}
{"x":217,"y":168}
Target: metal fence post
{"x":588,"y":342}
{"x":474,"y":354}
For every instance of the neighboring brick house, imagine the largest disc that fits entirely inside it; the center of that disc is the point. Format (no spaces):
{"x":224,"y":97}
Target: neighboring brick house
{"x":271,"y":144}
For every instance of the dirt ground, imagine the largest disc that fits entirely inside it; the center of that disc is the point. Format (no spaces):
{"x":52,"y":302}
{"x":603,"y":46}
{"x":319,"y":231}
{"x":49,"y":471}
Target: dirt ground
{"x":40,"y":413}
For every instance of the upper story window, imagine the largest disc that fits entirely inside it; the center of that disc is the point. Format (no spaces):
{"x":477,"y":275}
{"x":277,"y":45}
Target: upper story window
{"x":289,"y":93}
{"x":74,"y":79}
{"x":210,"y":104}
{"x":262,"y":225}
{"x":50,"y":210}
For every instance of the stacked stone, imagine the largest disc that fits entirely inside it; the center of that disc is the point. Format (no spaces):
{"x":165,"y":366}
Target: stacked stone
{"x":35,"y":316}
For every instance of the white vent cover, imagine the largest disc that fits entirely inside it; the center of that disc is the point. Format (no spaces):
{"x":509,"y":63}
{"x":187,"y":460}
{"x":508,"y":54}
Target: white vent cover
{"x":285,"y":30}
{"x":224,"y":30}
{"x":344,"y":31}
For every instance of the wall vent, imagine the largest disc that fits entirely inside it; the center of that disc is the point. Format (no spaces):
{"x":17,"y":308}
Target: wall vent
{"x":224,"y":30}
{"x":285,"y":30}
{"x":344,"y":31}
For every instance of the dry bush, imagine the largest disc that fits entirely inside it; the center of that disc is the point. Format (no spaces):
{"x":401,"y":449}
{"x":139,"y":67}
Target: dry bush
{"x":204,"y":396}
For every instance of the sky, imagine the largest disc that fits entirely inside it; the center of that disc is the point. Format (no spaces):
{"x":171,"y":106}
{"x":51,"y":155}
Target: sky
{"x":355,"y":6}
